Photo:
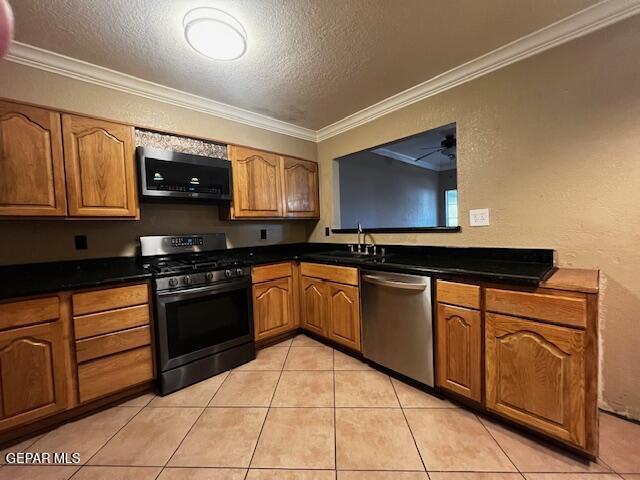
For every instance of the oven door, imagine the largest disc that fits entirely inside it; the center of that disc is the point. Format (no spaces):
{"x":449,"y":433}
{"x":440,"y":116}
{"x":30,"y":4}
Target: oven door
{"x":197,"y":322}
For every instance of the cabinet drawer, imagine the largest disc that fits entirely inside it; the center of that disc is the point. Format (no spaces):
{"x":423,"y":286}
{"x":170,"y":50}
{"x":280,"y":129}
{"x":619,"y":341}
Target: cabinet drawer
{"x":560,"y":309}
{"x":460,"y":294}
{"x":113,"y":373}
{"x":271,"y":272}
{"x":332,"y":273}
{"x":28,"y":312}
{"x":103,"y":345}
{"x":111,"y":321}
{"x":108,"y":299}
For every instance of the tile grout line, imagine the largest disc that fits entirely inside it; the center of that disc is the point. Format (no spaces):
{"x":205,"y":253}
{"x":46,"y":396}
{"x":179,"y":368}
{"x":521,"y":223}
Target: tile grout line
{"x":498,"y":443}
{"x":204,"y":409}
{"x":110,"y":438}
{"x":415,"y":443}
{"x":268,"y":410}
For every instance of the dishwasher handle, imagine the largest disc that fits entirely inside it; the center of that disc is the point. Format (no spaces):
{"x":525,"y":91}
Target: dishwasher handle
{"x":383,"y":282}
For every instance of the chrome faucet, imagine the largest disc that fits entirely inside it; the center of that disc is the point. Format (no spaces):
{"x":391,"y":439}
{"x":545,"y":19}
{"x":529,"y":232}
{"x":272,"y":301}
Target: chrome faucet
{"x":359,"y":233}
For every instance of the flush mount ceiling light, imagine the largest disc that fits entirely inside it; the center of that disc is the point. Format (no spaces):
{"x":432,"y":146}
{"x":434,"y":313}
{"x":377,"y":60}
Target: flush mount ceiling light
{"x":215,"y":34}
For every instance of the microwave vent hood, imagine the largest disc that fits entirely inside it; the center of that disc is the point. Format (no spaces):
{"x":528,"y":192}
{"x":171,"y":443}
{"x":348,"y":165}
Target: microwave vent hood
{"x":183,"y":176}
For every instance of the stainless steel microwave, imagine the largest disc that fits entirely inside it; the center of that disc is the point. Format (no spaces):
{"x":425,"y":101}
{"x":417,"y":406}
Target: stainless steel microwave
{"x":164,"y":173}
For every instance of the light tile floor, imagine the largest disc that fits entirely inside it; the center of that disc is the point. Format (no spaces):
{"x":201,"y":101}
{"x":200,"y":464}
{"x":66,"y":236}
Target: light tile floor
{"x":303,"y":411}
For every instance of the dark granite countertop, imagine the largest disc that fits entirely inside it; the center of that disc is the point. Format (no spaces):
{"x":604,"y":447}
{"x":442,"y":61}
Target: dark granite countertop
{"x":519,"y":266}
{"x":50,"y":277}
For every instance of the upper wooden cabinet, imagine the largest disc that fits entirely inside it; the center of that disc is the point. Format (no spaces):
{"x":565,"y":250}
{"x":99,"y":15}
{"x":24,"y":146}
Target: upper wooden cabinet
{"x":300,"y":188}
{"x":536,"y":375}
{"x":257,"y":183}
{"x":92,"y":176}
{"x":99,"y":161}
{"x":33,"y":372}
{"x":31,"y":162}
{"x":267,"y":185}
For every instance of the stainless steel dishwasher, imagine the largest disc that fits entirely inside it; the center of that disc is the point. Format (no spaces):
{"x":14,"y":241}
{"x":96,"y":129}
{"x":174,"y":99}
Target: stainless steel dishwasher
{"x":397,"y":327}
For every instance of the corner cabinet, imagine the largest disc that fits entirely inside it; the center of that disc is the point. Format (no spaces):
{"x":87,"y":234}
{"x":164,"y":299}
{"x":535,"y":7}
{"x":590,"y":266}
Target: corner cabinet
{"x":32,"y":179}
{"x":331,"y":303}
{"x":66,"y":166}
{"x":267,"y":185}
{"x":99,"y":160}
{"x":314,"y":301}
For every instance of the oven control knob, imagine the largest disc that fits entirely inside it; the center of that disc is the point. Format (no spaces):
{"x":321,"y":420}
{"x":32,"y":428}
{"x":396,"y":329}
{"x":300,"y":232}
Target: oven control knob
{"x":208,"y":276}
{"x":239,"y":272}
{"x":173,"y":282}
{"x":228,"y":273}
{"x":186,"y":280}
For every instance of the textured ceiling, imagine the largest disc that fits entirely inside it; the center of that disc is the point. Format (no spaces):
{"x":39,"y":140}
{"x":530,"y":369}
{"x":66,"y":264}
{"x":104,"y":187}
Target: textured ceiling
{"x":309,"y":62}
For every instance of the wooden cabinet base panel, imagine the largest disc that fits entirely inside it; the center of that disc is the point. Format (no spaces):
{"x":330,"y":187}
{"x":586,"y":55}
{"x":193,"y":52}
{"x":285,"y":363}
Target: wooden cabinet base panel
{"x":116,"y":372}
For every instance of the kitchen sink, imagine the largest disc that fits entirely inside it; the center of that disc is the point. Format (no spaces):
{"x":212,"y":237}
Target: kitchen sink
{"x":344,"y":255}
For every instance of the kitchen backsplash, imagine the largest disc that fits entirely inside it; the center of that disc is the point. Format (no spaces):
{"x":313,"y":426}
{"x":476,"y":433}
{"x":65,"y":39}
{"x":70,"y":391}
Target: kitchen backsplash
{"x":147,"y":138}
{"x":29,"y":241}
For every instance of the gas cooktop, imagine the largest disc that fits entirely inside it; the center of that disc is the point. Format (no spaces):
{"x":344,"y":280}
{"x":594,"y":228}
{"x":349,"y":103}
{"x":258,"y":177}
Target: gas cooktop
{"x":195,"y":262}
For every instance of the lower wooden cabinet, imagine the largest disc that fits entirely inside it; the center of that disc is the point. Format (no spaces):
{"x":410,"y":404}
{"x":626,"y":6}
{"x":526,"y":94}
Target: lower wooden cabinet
{"x":33,"y":373}
{"x":535,"y":375}
{"x":314,"y":304}
{"x":110,"y":374}
{"x":330,"y":308}
{"x":459,"y":351}
{"x":113,"y":340}
{"x":273,"y":308}
{"x":343,"y":314}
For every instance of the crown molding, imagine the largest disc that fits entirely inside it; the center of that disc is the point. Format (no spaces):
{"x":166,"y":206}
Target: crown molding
{"x":46,"y":60}
{"x":577,"y":25}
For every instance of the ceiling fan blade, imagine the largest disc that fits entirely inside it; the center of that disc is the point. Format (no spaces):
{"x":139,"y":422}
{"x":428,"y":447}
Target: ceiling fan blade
{"x":430,"y":153}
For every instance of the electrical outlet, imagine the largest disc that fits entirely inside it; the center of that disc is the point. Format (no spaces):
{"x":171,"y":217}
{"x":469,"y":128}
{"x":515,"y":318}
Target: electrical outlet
{"x":327,"y":231}
{"x":479,"y":217}
{"x":81,"y":242}
{"x":263,"y":234}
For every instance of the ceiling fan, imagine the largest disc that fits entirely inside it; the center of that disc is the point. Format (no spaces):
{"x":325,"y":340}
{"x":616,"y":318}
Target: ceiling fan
{"x":447,"y":147}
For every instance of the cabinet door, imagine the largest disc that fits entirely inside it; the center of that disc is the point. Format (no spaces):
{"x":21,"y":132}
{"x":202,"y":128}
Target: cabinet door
{"x":100,"y":167}
{"x":535,"y":374}
{"x":257,"y":189}
{"x":313,"y":305}
{"x":32,"y":373}
{"x":273,"y":308}
{"x":343,"y":315}
{"x":31,"y":164}
{"x":300,"y":188}
{"x":459,"y":364}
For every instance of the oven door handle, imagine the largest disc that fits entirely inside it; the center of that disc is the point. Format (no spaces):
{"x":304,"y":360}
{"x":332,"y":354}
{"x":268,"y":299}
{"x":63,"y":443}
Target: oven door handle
{"x":198,"y":292}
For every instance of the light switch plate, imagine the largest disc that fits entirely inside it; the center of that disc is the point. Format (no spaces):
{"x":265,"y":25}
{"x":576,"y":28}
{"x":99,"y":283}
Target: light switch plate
{"x":479,"y":217}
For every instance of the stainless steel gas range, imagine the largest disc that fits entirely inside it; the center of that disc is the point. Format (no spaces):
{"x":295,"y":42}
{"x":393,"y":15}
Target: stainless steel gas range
{"x":204,"y":318}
